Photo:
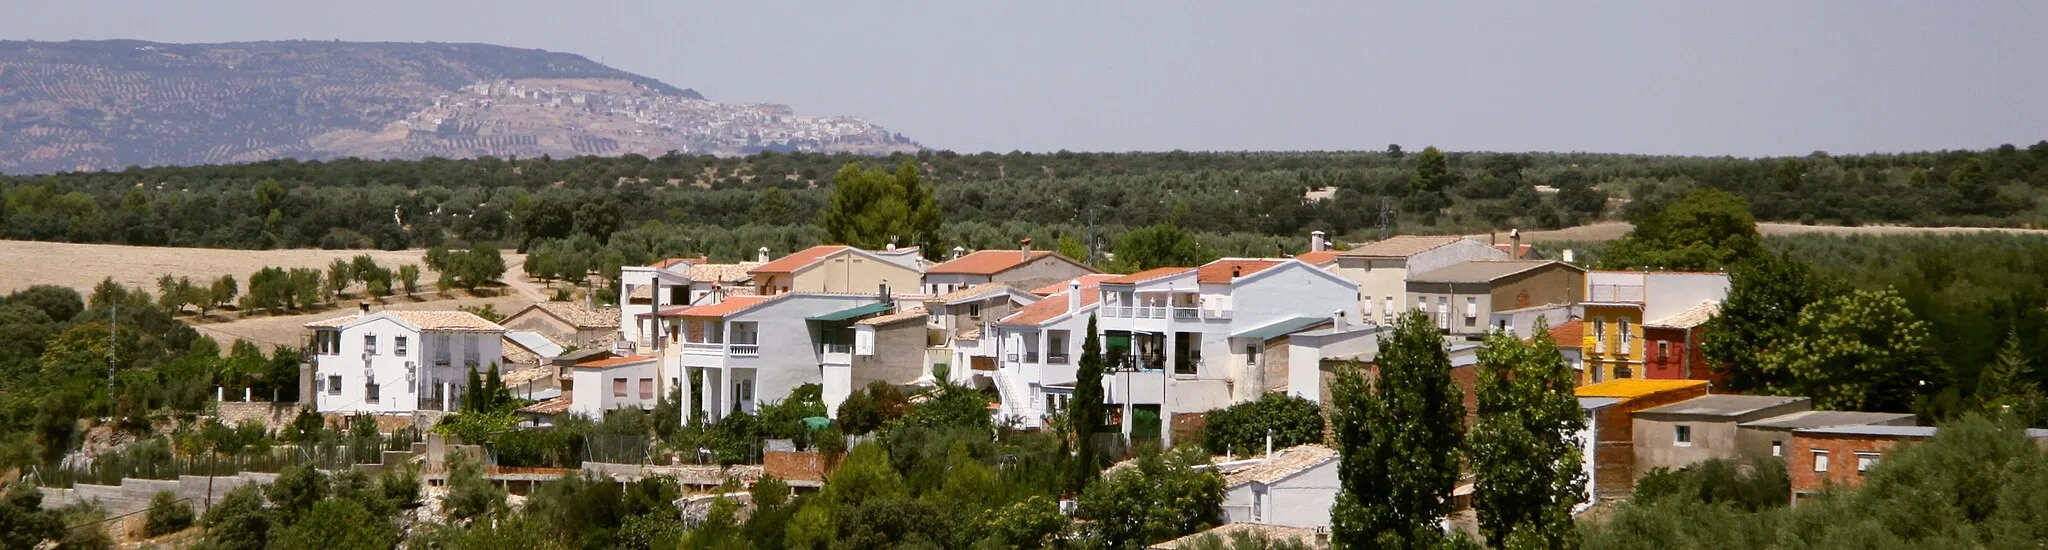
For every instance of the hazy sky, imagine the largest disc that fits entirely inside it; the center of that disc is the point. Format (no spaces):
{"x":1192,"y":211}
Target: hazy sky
{"x":1721,"y":77}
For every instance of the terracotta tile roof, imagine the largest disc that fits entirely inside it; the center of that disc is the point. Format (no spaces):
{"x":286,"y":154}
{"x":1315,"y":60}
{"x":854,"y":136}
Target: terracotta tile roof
{"x":1318,"y":258}
{"x":1091,"y":280}
{"x":723,"y":273}
{"x":1693,"y":316}
{"x":551,"y":407}
{"x":576,"y":315}
{"x":670,"y":262}
{"x":1045,"y":310}
{"x":453,"y":321}
{"x":728,"y":306}
{"x":900,"y":316}
{"x":1571,"y":334}
{"x":984,"y":289}
{"x":522,"y":376}
{"x":799,"y":259}
{"x":1221,"y":271}
{"x":1284,"y":463}
{"x":1401,"y":246}
{"x":988,"y":262}
{"x":616,"y":362}
{"x":969,"y":333}
{"x":1146,"y":275}
{"x":512,"y":354}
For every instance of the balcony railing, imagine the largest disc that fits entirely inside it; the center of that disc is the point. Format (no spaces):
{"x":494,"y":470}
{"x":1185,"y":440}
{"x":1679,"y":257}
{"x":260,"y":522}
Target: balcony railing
{"x":835,"y":348}
{"x":1186,"y":314}
{"x":1031,"y":357}
{"x":703,"y":348}
{"x":1056,"y":358}
{"x":1615,"y":293}
{"x":745,"y":350}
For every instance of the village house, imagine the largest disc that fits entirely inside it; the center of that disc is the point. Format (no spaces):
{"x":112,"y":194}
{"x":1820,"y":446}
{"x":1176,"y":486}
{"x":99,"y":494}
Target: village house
{"x":670,"y":283}
{"x":808,"y":339}
{"x":568,"y":324}
{"x":1294,"y":487}
{"x":612,"y":383}
{"x":1381,"y":269}
{"x":893,"y":348}
{"x":1696,"y":430}
{"x":1024,"y":268}
{"x":963,"y":322}
{"x":396,"y":362}
{"x":1842,"y":455}
{"x":1620,"y":304}
{"x":1773,"y":436}
{"x":1522,"y":322}
{"x":1672,"y":345}
{"x":1613,"y":440}
{"x":1319,"y":253}
{"x":1457,"y":297}
{"x":836,"y":268}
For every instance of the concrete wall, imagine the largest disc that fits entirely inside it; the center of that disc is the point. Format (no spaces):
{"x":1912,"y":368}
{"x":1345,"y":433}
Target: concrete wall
{"x":898,"y":355}
{"x":851,"y":272}
{"x":1305,"y":499}
{"x":1614,"y":452}
{"x":1043,"y":271}
{"x":1551,"y":284}
{"x":593,"y":387}
{"x":133,"y":495}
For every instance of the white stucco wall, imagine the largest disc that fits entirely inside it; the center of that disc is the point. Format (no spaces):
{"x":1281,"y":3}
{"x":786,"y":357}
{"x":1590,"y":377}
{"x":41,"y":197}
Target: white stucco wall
{"x":389,"y":368}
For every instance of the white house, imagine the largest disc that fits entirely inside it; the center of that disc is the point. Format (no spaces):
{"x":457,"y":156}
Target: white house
{"x":1381,"y":268}
{"x":616,"y":383}
{"x":393,"y":362}
{"x":1045,"y":338}
{"x":674,"y":282}
{"x":1199,"y":334}
{"x":747,"y":350}
{"x":1295,"y":487}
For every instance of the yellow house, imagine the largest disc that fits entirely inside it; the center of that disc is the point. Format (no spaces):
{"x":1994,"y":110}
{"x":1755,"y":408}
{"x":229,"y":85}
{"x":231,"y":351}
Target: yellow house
{"x":1613,"y":347}
{"x":839,"y":269}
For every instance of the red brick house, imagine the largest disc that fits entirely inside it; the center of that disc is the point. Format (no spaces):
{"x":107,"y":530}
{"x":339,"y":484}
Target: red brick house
{"x":1673,"y":350}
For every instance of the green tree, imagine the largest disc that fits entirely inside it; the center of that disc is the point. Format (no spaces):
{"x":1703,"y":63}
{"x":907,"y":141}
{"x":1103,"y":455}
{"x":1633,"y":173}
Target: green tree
{"x":338,"y":524}
{"x":1243,"y":429}
{"x":239,"y":521}
{"x":1705,"y":229}
{"x":1523,"y":450}
{"x":1087,"y":414}
{"x":1764,"y":300}
{"x":23,"y":521}
{"x":167,"y":514}
{"x":1161,"y":496}
{"x":470,"y":494}
{"x":1074,"y":250}
{"x":409,"y":276}
{"x":772,"y":207}
{"x":1162,"y":245}
{"x":222,"y":292}
{"x":339,"y":273}
{"x":1029,"y":523}
{"x":1398,"y":437}
{"x":1860,"y":351}
{"x":1428,"y":186}
{"x":873,"y":208}
{"x":2008,"y":380}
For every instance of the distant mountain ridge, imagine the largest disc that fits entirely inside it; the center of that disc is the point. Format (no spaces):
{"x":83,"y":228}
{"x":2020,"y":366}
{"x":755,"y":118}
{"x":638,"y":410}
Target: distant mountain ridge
{"x":87,"y":105}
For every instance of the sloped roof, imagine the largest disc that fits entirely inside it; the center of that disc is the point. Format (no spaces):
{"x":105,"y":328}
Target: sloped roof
{"x":1872,"y":431}
{"x":617,"y":362}
{"x":1091,"y":280}
{"x":916,"y":313}
{"x":1146,"y":275}
{"x":1571,"y":334}
{"x":1290,"y":461}
{"x":1481,"y":271}
{"x":577,"y":315}
{"x":671,"y":262}
{"x":551,"y":407}
{"x":534,"y":342}
{"x":1401,"y":246}
{"x":976,"y":291}
{"x":1318,"y":258}
{"x":1693,"y":316}
{"x":987,"y":262}
{"x":1221,"y":271}
{"x":530,"y":374}
{"x":799,"y":259}
{"x":1048,"y":309}
{"x":1822,"y":419}
{"x":723,"y":273}
{"x":455,"y":321}
{"x":729,"y":306}
{"x":1723,"y":405}
{"x":513,"y":354}
{"x":1631,"y":388}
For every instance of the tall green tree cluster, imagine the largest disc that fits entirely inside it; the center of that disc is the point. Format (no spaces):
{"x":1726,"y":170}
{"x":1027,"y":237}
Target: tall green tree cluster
{"x":1524,"y":452}
{"x":872,"y":208}
{"x":1399,"y":432}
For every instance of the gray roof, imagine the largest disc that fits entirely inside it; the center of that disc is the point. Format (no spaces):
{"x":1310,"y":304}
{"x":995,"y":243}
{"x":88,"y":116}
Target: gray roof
{"x":1401,"y":246}
{"x":1281,"y":327}
{"x":1590,"y":403}
{"x":1882,"y":431}
{"x":1723,"y":405}
{"x":1482,"y":271}
{"x":535,"y":342}
{"x":1823,"y":419}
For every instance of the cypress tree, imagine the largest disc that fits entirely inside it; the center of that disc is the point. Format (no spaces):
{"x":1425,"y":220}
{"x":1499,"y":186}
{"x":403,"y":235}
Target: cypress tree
{"x":1086,"y":416}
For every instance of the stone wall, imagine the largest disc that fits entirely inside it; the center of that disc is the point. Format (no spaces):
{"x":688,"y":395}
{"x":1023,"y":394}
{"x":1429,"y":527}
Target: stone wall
{"x":272,"y":415}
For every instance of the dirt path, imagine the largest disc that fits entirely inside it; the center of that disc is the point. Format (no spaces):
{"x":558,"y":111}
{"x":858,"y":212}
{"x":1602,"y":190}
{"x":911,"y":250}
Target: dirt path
{"x":515,"y":279}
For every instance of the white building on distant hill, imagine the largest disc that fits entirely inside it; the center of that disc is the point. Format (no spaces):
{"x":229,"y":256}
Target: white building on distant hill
{"x":393,"y":362}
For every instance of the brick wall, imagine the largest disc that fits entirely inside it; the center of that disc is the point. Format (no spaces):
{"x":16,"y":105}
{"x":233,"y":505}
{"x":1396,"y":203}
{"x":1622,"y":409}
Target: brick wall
{"x":1188,"y":426}
{"x":1841,"y":449}
{"x":272,"y":415}
{"x":797,"y":465}
{"x":1669,"y":365}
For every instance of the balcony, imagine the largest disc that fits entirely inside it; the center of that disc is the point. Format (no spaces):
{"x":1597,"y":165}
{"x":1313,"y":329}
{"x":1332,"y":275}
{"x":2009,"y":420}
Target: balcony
{"x":1615,"y":293}
{"x":703,"y":348}
{"x":1056,"y":358}
{"x":744,"y":350}
{"x":1187,"y":314}
{"x":835,"y":354}
{"x":1216,"y":314}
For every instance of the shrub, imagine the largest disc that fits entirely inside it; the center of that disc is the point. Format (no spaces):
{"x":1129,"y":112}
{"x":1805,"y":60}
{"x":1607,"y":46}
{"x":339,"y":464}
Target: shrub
{"x":167,"y":514}
{"x":1242,"y":428}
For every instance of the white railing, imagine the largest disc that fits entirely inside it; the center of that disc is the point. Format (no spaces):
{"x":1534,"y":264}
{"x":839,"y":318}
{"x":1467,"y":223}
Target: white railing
{"x":1056,"y":358}
{"x":835,"y":348}
{"x":1614,"y":293}
{"x":1186,"y":314}
{"x":703,"y":348}
{"x":745,"y":350}
{"x":1216,"y":314}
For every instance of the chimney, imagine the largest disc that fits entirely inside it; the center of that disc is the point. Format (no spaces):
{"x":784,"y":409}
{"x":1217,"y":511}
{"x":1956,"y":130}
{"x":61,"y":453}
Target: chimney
{"x":762,"y":256}
{"x":883,"y":291}
{"x":1337,"y":320}
{"x":958,"y":252}
{"x":1567,"y":255}
{"x":363,"y":308}
{"x":1026,"y":246}
{"x":1316,"y":243}
{"x":1515,"y":244}
{"x":890,"y":247}
{"x":1074,"y":295}
{"x":1236,"y":271}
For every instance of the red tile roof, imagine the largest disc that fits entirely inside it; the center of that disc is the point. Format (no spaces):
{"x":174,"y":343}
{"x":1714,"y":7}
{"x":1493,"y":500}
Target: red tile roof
{"x":1220,"y":271}
{"x":1317,"y":258}
{"x":729,"y":306}
{"x":799,"y":259}
{"x":665,"y":264}
{"x":1045,"y":310}
{"x":1146,"y":275}
{"x":616,"y":362}
{"x":1571,"y":334}
{"x":987,"y":262}
{"x":1088,"y":281}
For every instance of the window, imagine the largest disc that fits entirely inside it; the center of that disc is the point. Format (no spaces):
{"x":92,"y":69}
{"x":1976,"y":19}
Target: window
{"x":1599,"y":334}
{"x":398,"y":345}
{"x":1251,"y":355}
{"x":334,"y":384}
{"x":1865,"y":461}
{"x":1778,"y":449}
{"x":647,"y":388}
{"x":1389,"y":314}
{"x":1681,"y":435}
{"x":319,"y":384}
{"x":370,"y":344}
{"x":371,"y":392}
{"x":1471,"y":312}
{"x":1624,"y":336}
{"x":745,"y":391}
{"x":973,"y":311}
{"x":619,"y":388}
{"x":1820,"y":460}
{"x":1443,"y":313}
{"x":1367,"y":302}
{"x":679,"y":294}
{"x":1663,"y":350}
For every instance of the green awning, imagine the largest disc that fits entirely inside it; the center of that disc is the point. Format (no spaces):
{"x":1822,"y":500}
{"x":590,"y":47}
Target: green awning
{"x":845,"y":314}
{"x":1282,"y":327}
{"x":816,"y":423}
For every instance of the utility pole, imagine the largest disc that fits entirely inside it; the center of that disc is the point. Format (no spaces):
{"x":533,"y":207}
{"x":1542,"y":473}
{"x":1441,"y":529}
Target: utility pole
{"x":113,"y":328}
{"x":1386,"y":217}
